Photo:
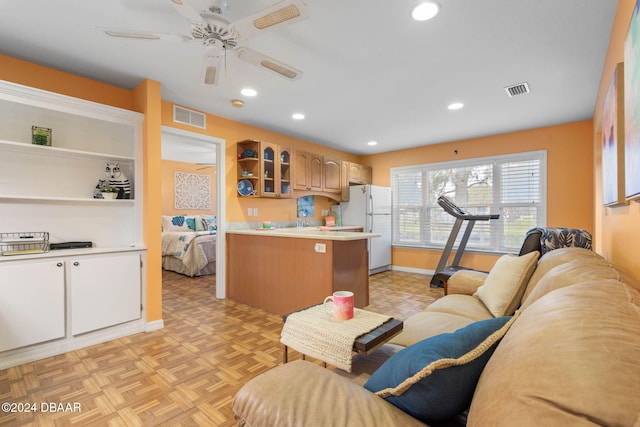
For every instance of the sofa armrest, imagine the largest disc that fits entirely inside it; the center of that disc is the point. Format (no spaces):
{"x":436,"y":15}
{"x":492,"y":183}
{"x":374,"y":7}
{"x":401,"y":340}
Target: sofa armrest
{"x":303,"y":394}
{"x":465,"y":282}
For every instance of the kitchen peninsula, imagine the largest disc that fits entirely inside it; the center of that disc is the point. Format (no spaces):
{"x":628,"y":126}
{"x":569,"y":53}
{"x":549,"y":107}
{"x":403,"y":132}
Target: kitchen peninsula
{"x":284,"y":270}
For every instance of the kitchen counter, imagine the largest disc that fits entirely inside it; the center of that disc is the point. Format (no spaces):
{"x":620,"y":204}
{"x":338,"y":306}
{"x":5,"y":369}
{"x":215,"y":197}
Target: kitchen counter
{"x":288,"y":269}
{"x":317,"y":233}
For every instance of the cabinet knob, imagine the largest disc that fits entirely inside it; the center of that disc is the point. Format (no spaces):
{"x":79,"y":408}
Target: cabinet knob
{"x":76,"y":263}
{"x":59,"y":264}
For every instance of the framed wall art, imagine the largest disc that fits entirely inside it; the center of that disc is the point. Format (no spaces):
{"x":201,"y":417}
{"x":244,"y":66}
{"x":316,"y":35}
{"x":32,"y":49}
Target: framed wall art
{"x":632,"y":108}
{"x":613,"y":192}
{"x":192,"y":191}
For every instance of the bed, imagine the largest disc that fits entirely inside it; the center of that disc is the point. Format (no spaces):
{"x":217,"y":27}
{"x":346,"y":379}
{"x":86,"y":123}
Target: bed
{"x":187,"y":251}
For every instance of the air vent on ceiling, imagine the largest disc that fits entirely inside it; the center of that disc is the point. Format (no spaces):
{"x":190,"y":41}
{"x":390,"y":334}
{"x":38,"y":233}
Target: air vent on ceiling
{"x":189,"y":117}
{"x":518,"y":89}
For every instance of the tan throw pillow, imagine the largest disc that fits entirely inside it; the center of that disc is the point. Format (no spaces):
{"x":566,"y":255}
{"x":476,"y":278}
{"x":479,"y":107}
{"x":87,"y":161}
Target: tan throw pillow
{"x":505,"y":284}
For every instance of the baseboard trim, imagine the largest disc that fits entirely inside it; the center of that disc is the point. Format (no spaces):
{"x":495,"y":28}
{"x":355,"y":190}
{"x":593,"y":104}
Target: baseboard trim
{"x":63,"y":345}
{"x":154,"y":325}
{"x":412,"y":270}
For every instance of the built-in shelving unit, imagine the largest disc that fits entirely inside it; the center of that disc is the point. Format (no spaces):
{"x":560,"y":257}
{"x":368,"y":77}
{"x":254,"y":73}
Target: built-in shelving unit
{"x":65,"y":299}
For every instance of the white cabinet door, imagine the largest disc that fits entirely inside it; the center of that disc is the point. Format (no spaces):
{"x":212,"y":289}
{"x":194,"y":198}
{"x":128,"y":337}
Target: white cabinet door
{"x":32,"y":306}
{"x":105,"y":291}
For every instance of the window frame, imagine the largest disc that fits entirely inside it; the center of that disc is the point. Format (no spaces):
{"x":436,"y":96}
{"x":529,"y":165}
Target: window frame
{"x":496,"y":234}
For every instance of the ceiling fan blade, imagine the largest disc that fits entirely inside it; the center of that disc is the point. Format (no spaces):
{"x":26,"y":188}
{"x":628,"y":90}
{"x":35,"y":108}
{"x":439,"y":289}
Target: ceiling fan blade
{"x":142,"y":35}
{"x":266,"y":63}
{"x":188,"y":12}
{"x":211,"y":67}
{"x":280,"y":14}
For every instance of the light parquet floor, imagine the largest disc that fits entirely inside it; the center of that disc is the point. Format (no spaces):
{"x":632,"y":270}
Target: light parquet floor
{"x":183,"y":375}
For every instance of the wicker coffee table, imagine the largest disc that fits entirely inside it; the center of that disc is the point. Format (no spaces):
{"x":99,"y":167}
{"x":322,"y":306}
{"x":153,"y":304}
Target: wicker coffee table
{"x":363,"y":344}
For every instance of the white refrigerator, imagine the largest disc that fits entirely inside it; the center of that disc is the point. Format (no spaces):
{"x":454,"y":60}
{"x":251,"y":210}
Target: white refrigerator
{"x":369,"y":206}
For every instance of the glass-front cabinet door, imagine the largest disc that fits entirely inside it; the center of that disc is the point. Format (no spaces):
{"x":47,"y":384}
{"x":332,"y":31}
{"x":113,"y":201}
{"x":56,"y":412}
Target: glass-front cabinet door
{"x":285,"y":172}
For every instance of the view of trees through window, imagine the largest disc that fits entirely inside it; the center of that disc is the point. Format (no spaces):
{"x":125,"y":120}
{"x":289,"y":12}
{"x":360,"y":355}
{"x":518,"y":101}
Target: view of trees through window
{"x":512,"y":186}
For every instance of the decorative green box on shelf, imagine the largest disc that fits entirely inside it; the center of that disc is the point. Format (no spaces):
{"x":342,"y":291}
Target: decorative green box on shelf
{"x":41,"y":136}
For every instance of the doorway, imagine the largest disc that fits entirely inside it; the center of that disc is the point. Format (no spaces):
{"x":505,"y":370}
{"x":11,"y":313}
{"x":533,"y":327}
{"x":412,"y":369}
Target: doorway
{"x":207,"y":152}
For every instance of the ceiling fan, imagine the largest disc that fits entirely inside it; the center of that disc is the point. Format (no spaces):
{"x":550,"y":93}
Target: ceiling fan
{"x":219,"y":35}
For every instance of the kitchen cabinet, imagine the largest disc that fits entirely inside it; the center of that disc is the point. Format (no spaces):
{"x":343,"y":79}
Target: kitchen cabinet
{"x":32,"y":303}
{"x":276,"y":170}
{"x":104,"y":291}
{"x":359,"y":174}
{"x":267,"y":167}
{"x":308,"y":171}
{"x":344,"y":181}
{"x":331,"y":176}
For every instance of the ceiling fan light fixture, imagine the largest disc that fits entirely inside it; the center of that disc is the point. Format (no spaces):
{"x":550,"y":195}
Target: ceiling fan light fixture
{"x":297,"y":116}
{"x":425,"y":11}
{"x":210,"y":75}
{"x":238,"y":103}
{"x":455,"y":106}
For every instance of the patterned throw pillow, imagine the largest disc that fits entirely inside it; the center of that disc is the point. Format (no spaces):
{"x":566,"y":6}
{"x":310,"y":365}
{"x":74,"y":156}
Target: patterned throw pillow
{"x":174,"y":223}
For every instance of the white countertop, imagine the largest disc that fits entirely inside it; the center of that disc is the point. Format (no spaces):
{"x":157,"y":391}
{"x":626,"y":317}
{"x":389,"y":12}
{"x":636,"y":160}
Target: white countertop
{"x":318,"y":233}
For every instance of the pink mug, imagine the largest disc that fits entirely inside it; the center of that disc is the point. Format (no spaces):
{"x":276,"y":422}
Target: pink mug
{"x":342,"y":305}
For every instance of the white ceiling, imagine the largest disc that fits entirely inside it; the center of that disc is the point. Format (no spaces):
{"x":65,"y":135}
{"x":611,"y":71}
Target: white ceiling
{"x":370,"y":71}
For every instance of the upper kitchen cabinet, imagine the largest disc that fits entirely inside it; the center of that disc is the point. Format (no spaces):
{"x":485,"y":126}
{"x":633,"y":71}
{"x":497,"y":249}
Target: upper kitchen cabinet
{"x":276,"y":170}
{"x":331,"y":178}
{"x":359,"y":174}
{"x":264,"y":169}
{"x":308,"y":172}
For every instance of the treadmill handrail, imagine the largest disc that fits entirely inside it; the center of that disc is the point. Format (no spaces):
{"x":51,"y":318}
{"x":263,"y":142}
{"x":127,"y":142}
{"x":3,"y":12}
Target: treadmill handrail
{"x":456,"y":211}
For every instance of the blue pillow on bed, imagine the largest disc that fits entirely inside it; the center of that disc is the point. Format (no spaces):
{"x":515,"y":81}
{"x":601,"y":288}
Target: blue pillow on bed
{"x":437,"y":388}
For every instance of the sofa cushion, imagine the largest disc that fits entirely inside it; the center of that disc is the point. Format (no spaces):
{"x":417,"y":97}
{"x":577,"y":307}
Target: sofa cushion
{"x":554,"y":258}
{"x":570,"y":273}
{"x":300,"y":393}
{"x":465,"y":282}
{"x":434,"y":379}
{"x":571,"y":359}
{"x":505,"y":284}
{"x":447,"y":314}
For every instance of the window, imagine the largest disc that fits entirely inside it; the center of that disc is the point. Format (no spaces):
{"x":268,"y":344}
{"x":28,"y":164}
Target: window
{"x":513,"y":186}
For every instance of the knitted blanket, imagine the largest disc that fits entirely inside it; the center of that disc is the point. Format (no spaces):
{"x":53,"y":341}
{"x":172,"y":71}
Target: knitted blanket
{"x":315,"y":333}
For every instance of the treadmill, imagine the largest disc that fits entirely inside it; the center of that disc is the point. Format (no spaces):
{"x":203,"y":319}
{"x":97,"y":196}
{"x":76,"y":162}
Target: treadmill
{"x":443,"y":272}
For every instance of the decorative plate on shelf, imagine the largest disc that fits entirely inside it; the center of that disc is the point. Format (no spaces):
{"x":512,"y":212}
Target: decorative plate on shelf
{"x":245,"y":188}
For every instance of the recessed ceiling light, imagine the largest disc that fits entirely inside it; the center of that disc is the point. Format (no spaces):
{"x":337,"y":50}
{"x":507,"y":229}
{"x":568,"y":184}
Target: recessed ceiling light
{"x":297,"y":116}
{"x":455,"y":106}
{"x":248,"y":92}
{"x":372,"y":143}
{"x":425,"y":11}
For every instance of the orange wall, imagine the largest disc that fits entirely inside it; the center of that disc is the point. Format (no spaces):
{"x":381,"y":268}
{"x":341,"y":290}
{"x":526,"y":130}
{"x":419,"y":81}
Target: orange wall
{"x":232,"y":132}
{"x":147,"y":96}
{"x":569,"y":178}
{"x":169,"y":167}
{"x":29,"y":74}
{"x":617,"y":228}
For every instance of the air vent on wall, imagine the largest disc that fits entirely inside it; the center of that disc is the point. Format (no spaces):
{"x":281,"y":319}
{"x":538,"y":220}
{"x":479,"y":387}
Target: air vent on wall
{"x":518,"y":89}
{"x":189,"y":117}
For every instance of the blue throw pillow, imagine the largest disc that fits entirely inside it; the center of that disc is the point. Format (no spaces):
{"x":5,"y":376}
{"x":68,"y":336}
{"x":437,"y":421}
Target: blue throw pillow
{"x":438,"y":389}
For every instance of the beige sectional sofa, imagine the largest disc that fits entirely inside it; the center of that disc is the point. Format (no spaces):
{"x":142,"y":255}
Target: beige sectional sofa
{"x":570,"y":358}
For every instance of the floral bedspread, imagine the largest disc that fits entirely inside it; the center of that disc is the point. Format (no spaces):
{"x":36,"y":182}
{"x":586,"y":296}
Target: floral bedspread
{"x":184,"y":246}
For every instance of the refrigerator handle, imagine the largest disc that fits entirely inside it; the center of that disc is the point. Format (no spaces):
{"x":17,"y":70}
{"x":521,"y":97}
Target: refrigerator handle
{"x":370,"y":214}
